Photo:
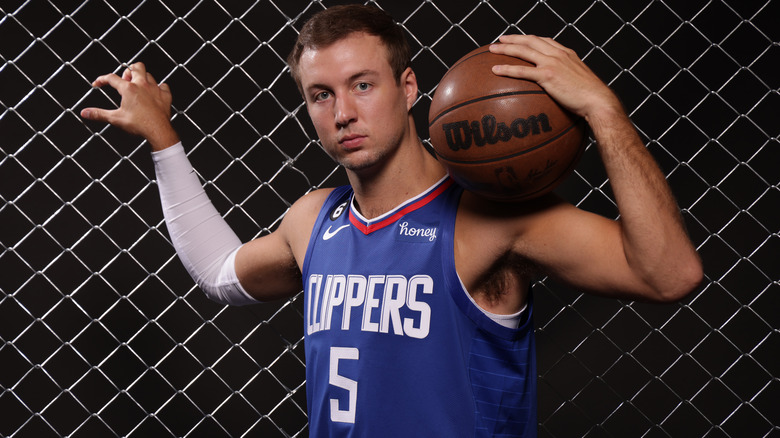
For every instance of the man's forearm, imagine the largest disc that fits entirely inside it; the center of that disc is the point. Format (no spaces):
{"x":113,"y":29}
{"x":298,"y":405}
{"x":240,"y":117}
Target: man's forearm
{"x":162,"y":137}
{"x":203,"y":240}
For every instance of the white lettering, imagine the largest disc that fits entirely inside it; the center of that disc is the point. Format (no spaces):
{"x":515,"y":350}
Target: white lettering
{"x":371,"y":303}
{"x":406,"y":230}
{"x":391,"y":306}
{"x":337,"y":380}
{"x":356,"y":283}
{"x":315,"y":284}
{"x":334,"y":296}
{"x":386,"y":301}
{"x":426,"y":283}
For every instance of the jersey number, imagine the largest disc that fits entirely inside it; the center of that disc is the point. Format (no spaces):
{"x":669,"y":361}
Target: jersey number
{"x":336,"y":414}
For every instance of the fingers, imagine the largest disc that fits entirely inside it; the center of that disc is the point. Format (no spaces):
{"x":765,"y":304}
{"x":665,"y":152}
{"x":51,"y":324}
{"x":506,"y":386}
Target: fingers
{"x":135,"y":73}
{"x":138,"y":74}
{"x":138,"y":70}
{"x":141,"y":99}
{"x":515,"y":46}
{"x":110,"y":79}
{"x":531,"y":40}
{"x":530,"y":48}
{"x":150,"y":79}
{"x":97,"y":114}
{"x":543,"y":52}
{"x":518,"y":71}
{"x":557,"y":69}
{"x":556,"y":44}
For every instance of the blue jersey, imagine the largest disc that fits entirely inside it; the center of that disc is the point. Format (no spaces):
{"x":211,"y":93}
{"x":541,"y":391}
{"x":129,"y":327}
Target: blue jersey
{"x":394,"y":345}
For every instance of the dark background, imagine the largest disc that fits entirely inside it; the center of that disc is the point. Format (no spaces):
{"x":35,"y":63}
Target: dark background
{"x":104,"y":334}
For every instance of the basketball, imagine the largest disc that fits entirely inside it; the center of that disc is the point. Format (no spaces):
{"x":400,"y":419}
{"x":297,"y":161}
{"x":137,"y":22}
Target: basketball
{"x":502,"y":138}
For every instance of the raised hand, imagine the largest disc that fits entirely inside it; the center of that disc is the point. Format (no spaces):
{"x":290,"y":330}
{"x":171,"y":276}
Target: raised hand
{"x":145,"y":108}
{"x":559,"y":71}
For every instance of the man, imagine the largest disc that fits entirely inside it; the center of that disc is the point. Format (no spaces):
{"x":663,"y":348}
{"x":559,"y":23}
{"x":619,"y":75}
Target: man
{"x":417,"y":301}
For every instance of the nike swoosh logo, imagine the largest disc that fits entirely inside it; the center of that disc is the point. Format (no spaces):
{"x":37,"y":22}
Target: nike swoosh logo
{"x":328,"y":234}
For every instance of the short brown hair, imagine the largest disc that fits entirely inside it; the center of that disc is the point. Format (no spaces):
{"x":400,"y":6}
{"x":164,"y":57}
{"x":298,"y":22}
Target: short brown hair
{"x":338,"y":22}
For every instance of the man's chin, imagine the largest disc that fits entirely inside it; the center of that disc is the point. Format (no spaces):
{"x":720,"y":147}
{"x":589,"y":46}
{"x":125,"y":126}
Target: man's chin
{"x":361,"y":164}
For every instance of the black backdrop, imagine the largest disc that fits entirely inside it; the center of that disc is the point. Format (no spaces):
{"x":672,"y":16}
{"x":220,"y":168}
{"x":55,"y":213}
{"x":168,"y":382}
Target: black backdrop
{"x":104,"y":334}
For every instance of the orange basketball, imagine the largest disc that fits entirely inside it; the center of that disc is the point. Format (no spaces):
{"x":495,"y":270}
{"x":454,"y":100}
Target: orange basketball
{"x":502,"y":138}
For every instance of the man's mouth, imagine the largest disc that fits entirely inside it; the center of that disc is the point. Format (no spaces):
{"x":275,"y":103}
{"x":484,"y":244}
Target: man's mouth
{"x":351,"y":141}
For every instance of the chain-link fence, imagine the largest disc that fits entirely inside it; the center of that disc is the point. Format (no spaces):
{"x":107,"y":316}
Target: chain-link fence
{"x":104,"y":334}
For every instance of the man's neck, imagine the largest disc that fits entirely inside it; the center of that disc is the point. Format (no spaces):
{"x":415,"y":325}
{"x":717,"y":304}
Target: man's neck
{"x":405,"y":176}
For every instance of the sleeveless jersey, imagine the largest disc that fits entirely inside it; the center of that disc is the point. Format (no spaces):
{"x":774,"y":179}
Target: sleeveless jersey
{"x":394,"y":345}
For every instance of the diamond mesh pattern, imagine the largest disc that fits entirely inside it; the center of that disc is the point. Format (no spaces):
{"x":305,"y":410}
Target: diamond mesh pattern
{"x":104,"y":334}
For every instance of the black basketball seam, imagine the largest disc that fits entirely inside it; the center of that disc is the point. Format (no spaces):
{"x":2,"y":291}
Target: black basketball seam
{"x":461,"y":61}
{"x":481,"y":98}
{"x":487,"y":50}
{"x":540,"y":145}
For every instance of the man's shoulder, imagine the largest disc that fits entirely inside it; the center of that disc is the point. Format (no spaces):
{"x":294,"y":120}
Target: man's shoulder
{"x":309,"y":205}
{"x":481,"y":209}
{"x":508,"y":224}
{"x":297,"y":225}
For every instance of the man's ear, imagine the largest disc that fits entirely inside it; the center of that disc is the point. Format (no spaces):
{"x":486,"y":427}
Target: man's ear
{"x":409,"y":80}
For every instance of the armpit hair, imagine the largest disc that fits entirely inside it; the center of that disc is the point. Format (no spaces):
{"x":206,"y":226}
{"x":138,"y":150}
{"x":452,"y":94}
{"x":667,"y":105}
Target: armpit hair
{"x":508,"y":273}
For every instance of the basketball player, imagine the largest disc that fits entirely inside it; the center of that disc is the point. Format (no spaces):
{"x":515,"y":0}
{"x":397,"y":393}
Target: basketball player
{"x":417,"y":302}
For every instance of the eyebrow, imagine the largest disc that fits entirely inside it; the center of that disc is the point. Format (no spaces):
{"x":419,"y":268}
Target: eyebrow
{"x":358,"y":75}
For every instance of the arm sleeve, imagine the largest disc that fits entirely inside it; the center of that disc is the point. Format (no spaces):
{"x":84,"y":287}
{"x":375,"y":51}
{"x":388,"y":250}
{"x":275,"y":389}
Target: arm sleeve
{"x":205,"y":243}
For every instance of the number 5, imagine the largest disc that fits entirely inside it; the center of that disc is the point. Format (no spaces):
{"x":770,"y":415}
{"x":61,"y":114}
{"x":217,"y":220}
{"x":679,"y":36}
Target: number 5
{"x":336,"y":414}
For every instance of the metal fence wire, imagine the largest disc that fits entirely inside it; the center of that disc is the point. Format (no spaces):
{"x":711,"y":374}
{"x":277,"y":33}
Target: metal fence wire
{"x":104,"y":334}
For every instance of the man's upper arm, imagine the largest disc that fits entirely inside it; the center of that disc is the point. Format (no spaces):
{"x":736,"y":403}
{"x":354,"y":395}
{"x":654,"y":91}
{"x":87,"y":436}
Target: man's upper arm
{"x":269,"y":267}
{"x":582,"y":249}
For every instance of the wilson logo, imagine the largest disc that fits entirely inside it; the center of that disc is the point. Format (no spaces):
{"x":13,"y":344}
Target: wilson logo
{"x":462,"y":134}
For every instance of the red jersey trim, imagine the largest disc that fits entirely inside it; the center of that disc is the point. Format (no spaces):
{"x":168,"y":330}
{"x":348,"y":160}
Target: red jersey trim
{"x":368,"y":228}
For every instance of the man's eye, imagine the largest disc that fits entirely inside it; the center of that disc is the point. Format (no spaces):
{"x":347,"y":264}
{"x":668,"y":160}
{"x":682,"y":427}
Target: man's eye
{"x":321,"y":96}
{"x":363,"y":86}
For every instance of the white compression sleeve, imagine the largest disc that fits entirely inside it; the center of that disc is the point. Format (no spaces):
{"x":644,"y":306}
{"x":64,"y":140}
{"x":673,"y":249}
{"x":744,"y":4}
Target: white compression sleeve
{"x":205,"y":243}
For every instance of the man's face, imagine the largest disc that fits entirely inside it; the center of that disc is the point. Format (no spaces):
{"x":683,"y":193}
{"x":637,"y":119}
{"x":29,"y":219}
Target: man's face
{"x":358,"y":108}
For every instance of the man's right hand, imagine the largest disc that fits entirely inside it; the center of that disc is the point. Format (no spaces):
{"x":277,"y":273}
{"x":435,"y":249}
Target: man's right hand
{"x":145,"y":108}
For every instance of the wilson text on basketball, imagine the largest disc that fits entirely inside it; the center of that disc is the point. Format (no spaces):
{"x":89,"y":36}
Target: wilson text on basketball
{"x":462,"y":134}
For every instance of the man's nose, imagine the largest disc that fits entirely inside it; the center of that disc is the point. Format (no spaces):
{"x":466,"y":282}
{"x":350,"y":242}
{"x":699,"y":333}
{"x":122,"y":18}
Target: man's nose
{"x":345,"y":111}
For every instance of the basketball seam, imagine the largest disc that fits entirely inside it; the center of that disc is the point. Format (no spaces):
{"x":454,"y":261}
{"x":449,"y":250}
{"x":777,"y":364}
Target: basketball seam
{"x":481,"y":98}
{"x":461,"y":61}
{"x":487,"y":50}
{"x":540,"y":145}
